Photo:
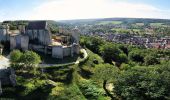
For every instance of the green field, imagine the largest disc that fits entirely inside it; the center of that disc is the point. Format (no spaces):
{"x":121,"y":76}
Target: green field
{"x":140,"y":24}
{"x":120,"y":30}
{"x":109,"y":22}
{"x":157,"y":24}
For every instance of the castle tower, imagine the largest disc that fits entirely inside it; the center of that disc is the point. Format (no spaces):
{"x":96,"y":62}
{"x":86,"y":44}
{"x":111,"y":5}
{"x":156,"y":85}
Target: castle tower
{"x":21,"y":29}
{"x":76,"y":35}
{"x":60,"y":30}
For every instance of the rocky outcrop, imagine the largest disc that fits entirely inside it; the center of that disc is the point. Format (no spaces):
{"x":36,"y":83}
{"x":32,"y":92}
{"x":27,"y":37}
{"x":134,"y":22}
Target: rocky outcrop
{"x":7,"y":77}
{"x":0,"y":88}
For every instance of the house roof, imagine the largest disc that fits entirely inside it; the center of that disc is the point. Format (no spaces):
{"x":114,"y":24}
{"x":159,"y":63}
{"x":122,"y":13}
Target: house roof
{"x":37,"y":25}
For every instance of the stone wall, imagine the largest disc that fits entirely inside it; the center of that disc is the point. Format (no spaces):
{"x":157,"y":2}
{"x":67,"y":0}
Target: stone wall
{"x":66,"y":51}
{"x":61,"y":51}
{"x":24,"y":42}
{"x":76,"y":37}
{"x":76,"y":49}
{"x":57,"y":52}
{"x":12,"y":43}
{"x":3,"y":35}
{"x":19,"y":42}
{"x":35,"y":47}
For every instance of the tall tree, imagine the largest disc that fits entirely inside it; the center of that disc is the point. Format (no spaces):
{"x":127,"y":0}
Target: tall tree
{"x":144,"y":83}
{"x":30,"y":58}
{"x":15,"y":56}
{"x":110,"y":52}
{"x":104,"y":73}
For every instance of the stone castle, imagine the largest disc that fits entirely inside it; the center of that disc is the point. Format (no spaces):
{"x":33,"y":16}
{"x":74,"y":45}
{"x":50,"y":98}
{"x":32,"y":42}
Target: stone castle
{"x":37,"y":36}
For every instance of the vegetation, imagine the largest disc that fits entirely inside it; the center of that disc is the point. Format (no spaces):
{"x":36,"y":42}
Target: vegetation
{"x":143,"y":83}
{"x":111,"y":71}
{"x":27,"y":60}
{"x":139,"y":78}
{"x":105,"y":73}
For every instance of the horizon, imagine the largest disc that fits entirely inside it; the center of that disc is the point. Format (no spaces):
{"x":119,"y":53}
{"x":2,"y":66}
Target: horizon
{"x":87,"y":19}
{"x":82,"y":9}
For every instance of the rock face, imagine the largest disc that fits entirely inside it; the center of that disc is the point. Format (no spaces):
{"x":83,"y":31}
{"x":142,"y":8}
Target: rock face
{"x":7,"y":77}
{"x":0,"y":88}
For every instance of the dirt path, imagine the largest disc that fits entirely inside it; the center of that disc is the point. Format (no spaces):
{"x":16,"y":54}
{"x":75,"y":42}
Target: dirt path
{"x":4,"y":62}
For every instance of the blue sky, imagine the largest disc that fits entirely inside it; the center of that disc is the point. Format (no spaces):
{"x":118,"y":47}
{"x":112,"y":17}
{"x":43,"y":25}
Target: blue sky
{"x":80,"y":9}
{"x":163,"y":4}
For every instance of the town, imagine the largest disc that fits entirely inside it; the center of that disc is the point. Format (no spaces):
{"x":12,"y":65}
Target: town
{"x":138,"y":32}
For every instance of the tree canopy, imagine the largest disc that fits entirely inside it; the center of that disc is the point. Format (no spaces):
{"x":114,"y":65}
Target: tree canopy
{"x":139,"y":83}
{"x":28,"y":59}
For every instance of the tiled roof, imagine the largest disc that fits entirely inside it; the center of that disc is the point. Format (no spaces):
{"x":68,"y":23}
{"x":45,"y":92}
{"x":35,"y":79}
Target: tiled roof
{"x":37,"y":25}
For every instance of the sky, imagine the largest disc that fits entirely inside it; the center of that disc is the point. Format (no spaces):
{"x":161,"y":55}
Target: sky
{"x":82,"y":9}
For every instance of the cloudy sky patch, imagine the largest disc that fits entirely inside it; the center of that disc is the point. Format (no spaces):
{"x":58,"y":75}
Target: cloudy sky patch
{"x":81,"y":9}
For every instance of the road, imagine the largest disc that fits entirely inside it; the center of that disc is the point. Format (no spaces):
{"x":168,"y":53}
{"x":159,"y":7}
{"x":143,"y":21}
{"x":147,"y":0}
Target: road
{"x":4,"y":62}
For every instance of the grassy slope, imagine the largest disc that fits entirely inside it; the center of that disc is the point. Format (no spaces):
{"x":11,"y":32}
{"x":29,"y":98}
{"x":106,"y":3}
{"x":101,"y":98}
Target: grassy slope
{"x":85,"y":80}
{"x":59,"y":88}
{"x":88,"y":67}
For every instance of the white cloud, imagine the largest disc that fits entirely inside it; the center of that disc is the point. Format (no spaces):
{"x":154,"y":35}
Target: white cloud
{"x":80,"y":9}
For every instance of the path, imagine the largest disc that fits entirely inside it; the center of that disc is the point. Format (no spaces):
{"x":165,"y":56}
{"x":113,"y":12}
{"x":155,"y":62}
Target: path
{"x":76,"y":62}
{"x":4,"y":62}
{"x":85,"y":56}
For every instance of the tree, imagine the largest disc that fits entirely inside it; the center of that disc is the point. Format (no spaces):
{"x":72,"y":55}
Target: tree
{"x":136,"y":55}
{"x":122,"y":58}
{"x":104,"y":73}
{"x":30,"y":58}
{"x":110,"y":52}
{"x":27,"y":59}
{"x":143,"y":83}
{"x":95,"y":44}
{"x":15,"y":56}
{"x":151,"y":60}
{"x":123,"y":48}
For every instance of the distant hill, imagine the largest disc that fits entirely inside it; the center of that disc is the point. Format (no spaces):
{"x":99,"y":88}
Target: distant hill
{"x":124,"y":20}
